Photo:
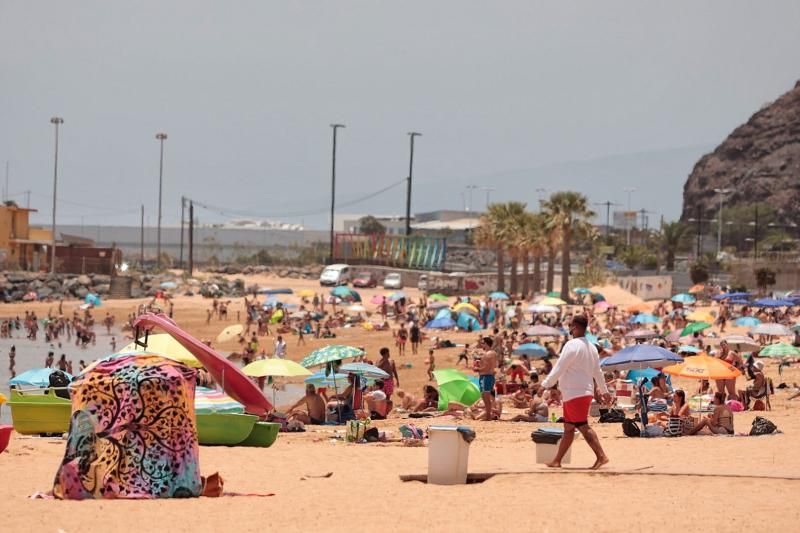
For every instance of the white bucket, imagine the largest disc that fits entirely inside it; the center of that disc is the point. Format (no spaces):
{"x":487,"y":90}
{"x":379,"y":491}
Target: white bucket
{"x":448,"y":456}
{"x":547,"y":452}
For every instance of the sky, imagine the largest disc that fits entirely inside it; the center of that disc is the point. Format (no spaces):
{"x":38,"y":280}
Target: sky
{"x":514,"y":96}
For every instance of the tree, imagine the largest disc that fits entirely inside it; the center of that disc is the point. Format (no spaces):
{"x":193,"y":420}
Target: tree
{"x":765,"y":278}
{"x":570,"y":215}
{"x":498,"y":230}
{"x":371,"y":226}
{"x":671,"y":238}
{"x":698,"y":272}
{"x":532,"y":241}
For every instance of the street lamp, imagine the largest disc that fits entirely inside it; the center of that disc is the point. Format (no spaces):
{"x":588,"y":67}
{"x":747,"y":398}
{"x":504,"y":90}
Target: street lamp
{"x":411,"y":135}
{"x":489,"y":191}
{"x":470,"y":188}
{"x":161,"y":138}
{"x":629,"y":190}
{"x":56,"y":121}
{"x":722,"y":193}
{"x":333,"y":180}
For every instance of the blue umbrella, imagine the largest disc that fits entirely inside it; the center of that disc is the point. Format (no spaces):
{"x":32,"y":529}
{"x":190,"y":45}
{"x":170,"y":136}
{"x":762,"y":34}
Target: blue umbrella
{"x":499,"y":295}
{"x":364,"y":369}
{"x":346,"y":293}
{"x":739,"y":301}
{"x":747,"y":321}
{"x":399,"y":295}
{"x":581,"y":290}
{"x":441,"y":323}
{"x":644,"y":318}
{"x":319,"y":379}
{"x":688,"y":348}
{"x":640,"y":356}
{"x":772,"y":302}
{"x":729,"y":295}
{"x":169,"y":285}
{"x":647,"y":374}
{"x":684,"y":298}
{"x":37,"y":377}
{"x":276,"y":291}
{"x":531,"y":349}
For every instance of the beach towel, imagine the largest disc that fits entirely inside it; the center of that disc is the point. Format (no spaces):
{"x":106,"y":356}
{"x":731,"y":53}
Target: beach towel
{"x":132,"y":432}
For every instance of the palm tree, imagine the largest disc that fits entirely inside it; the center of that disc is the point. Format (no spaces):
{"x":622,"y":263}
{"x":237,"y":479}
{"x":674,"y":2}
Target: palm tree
{"x":532,"y":241}
{"x":497,"y":229}
{"x":570,"y":215}
{"x":671,"y":238}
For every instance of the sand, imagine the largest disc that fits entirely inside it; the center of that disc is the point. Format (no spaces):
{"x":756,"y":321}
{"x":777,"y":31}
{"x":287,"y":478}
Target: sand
{"x":691,"y":483}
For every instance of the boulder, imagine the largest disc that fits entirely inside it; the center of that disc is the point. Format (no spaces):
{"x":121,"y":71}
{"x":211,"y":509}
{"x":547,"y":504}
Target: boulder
{"x":44,"y":292}
{"x":81,"y":292}
{"x":84,"y":280}
{"x":101,"y":289}
{"x":101,"y":279}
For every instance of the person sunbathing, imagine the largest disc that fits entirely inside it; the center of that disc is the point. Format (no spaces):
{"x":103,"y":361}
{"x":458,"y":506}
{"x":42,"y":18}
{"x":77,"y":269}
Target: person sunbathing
{"x":406,"y":402}
{"x":521,"y":398}
{"x":719,"y":422}
{"x":537,"y":411}
{"x":315,"y":407}
{"x":678,"y":410}
{"x":429,"y":402}
{"x":478,"y":410}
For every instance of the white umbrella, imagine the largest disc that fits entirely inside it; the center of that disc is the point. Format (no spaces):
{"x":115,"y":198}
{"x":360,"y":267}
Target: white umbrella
{"x":741,"y":342}
{"x":543,"y":331}
{"x":538,"y":308}
{"x":356,"y":308}
{"x":771,"y":328}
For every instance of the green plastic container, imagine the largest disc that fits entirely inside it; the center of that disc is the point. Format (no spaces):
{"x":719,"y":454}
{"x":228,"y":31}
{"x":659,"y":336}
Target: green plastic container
{"x":225,"y":429}
{"x":263,"y":435}
{"x":38,"y":411}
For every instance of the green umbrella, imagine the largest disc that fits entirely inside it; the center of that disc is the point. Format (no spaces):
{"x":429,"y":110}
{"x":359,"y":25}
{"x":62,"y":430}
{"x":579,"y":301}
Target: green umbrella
{"x":694,"y":327}
{"x":438,"y":297}
{"x":779,"y":349}
{"x":554,"y":294}
{"x":328,"y":354}
{"x":455,"y":387}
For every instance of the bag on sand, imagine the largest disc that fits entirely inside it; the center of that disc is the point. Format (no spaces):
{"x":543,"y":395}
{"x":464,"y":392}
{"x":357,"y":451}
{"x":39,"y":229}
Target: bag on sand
{"x":630,"y":428}
{"x":356,"y":430}
{"x":611,"y":416}
{"x":762,"y":426}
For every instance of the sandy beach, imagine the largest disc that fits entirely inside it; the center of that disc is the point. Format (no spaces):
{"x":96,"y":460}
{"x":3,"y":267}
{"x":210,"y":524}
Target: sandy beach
{"x":689,"y":483}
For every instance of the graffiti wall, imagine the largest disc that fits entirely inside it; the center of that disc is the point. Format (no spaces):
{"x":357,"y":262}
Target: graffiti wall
{"x":647,"y":287}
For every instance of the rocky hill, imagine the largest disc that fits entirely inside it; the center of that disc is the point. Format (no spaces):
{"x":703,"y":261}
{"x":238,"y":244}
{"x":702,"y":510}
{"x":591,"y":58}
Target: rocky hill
{"x":759,"y":161}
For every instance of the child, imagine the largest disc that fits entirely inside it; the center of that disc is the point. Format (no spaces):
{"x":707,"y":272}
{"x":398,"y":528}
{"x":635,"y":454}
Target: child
{"x":431,"y":365}
{"x":463,"y":356}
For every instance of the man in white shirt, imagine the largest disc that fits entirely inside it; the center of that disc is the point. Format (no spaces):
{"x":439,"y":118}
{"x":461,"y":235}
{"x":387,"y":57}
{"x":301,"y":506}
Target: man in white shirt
{"x":576,"y":372}
{"x":280,"y":348}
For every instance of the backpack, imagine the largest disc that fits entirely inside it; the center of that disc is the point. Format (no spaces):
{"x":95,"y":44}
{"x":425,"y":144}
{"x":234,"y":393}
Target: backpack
{"x":762,"y":426}
{"x":630,"y":428}
{"x":611,"y":416}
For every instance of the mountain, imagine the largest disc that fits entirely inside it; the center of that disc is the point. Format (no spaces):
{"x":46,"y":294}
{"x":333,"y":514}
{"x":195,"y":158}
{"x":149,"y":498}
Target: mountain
{"x":759,"y":162}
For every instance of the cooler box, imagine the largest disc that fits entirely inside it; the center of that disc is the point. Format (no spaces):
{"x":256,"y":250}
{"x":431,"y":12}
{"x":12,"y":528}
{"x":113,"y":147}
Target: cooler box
{"x":448,"y":454}
{"x":547,"y":440}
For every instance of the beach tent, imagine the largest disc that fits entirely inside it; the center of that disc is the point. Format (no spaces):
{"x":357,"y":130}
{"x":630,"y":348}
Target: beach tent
{"x":92,"y":299}
{"x":444,"y":313}
{"x":441,"y":323}
{"x":467,"y":322}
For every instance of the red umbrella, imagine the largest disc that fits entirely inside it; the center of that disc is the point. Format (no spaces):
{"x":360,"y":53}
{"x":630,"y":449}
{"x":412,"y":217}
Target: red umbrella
{"x":233,"y":381}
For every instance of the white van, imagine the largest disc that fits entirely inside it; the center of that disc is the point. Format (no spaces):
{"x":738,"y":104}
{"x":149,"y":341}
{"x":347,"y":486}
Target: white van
{"x":335,"y":275}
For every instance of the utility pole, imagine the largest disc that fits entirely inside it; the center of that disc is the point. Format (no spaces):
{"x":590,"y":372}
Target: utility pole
{"x":333,"y":183}
{"x":191,"y":237}
{"x":411,"y":136}
{"x":608,"y":205}
{"x":161,"y":137}
{"x":699,"y":230}
{"x":56,"y":121}
{"x":183,"y":208}
{"x":755,"y":236}
{"x":470,"y":188}
{"x":722,"y":193}
{"x":141,"y":241}
{"x":628,"y":190}
{"x":488,"y":193}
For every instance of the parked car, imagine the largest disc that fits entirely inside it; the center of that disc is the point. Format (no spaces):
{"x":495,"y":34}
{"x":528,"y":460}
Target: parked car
{"x":393,"y":280}
{"x":422,"y":282}
{"x":365,"y":279}
{"x":335,"y":275}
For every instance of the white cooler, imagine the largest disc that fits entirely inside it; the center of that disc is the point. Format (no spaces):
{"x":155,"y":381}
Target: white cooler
{"x":545,"y":451}
{"x":448,"y":455}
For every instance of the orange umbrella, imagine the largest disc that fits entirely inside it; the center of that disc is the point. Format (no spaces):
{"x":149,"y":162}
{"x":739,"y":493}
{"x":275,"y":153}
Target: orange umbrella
{"x":703,"y":367}
{"x":639,"y":308}
{"x":697,"y":288}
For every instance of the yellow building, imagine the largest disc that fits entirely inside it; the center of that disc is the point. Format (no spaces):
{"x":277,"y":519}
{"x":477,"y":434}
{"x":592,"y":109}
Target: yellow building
{"x":22,"y":247}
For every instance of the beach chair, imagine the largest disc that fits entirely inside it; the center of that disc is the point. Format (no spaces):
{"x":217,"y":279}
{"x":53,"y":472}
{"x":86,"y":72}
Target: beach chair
{"x":768,"y":390}
{"x":624,"y":394}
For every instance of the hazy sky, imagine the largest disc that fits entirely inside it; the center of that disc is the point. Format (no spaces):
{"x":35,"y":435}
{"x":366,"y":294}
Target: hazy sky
{"x":246,"y":92}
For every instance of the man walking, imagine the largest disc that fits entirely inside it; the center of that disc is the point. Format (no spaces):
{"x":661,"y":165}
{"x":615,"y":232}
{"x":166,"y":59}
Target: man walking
{"x":575,"y":373}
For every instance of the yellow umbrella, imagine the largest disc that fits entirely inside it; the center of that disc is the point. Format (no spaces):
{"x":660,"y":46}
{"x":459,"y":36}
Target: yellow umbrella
{"x":165,"y":345}
{"x":466,"y":307}
{"x":639,"y":308}
{"x":552,"y":301}
{"x":230,"y":333}
{"x":700,"y":316}
{"x":306,"y":293}
{"x":275,"y":367}
{"x":703,"y":367}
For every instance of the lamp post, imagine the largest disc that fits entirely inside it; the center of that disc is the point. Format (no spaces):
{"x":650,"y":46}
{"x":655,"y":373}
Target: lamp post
{"x":161,"y":138}
{"x":489,"y":191}
{"x":629,"y":190}
{"x":470,"y":188}
{"x":57,"y":121}
{"x":411,"y":135}
{"x":722,"y":193}
{"x":333,"y":181}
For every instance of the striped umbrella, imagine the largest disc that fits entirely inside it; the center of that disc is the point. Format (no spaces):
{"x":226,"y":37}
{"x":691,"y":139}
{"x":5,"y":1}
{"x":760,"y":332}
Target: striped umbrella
{"x":779,"y":349}
{"x":365,"y":370}
{"x":328,"y":354}
{"x":747,"y":321}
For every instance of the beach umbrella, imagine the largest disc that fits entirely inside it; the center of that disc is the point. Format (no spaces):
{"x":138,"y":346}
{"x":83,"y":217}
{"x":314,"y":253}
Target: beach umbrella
{"x":638,"y":308}
{"x":597,"y":297}
{"x":284,"y":290}
{"x":747,"y":321}
{"x":168,"y":285}
{"x":441,"y":323}
{"x":466,"y":308}
{"x":377,"y":299}
{"x":640,"y":356}
{"x":499,"y":295}
{"x":684,"y":298}
{"x":779,"y":349}
{"x":276,"y":317}
{"x":306,"y":293}
{"x":697,"y":288}
{"x":728,"y":295}
{"x":455,"y":387}
{"x":36,"y":377}
{"x":541,"y":330}
{"x":539,"y":308}
{"x":399,"y":295}
{"x":229,"y":333}
{"x":700,"y":316}
{"x":695,"y":327}
{"x":213,"y":401}
{"x":771,"y":328}
{"x":602,"y":306}
{"x":581,"y":290}
{"x":363,"y":369}
{"x":356,"y":309}
{"x":438,"y":297}
{"x":531,"y":349}
{"x":331,"y":353}
{"x":688,"y":348}
{"x":321,"y":379}
{"x":345,"y":293}
{"x":438,"y":305}
{"x":644,"y":318}
{"x":553,"y":294}
{"x":551,"y":300}
{"x":298,"y":314}
{"x":642,"y":334}
{"x":772,"y":302}
{"x":164,"y":345}
{"x":703,"y":367}
{"x":741,"y":342}
{"x":275,"y":367}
